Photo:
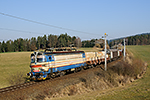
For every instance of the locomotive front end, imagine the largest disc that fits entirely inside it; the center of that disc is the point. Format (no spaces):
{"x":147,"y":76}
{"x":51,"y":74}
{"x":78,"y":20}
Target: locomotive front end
{"x":38,"y":66}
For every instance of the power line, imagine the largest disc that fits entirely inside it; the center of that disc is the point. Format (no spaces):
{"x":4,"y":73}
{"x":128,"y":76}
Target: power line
{"x":19,"y":31}
{"x":44,"y":23}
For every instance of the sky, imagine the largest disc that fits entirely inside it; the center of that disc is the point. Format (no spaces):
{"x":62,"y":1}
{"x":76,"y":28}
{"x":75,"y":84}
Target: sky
{"x":87,"y":19}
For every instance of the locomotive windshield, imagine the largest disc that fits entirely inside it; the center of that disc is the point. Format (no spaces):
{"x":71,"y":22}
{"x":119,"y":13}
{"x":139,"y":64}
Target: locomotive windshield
{"x":37,"y":58}
{"x":41,"y":59}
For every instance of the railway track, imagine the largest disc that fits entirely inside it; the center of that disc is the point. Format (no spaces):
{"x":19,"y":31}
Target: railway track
{"x":29,"y":84}
{"x":16,"y":87}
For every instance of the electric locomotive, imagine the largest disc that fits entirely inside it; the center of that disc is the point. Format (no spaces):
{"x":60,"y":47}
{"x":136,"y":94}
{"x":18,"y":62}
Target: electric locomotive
{"x":50,"y":64}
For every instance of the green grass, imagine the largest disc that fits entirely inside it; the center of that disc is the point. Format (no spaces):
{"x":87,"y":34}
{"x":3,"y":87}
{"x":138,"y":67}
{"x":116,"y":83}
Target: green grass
{"x":142,"y":52}
{"x":12,"y":63}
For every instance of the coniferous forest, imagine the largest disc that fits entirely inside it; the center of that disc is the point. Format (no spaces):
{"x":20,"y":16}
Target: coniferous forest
{"x":64,"y":40}
{"x":140,"y":39}
{"x":41,"y":42}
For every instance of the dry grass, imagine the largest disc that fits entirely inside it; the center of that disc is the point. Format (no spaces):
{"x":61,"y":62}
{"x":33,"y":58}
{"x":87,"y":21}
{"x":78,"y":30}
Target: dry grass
{"x":17,"y":78}
{"x":126,"y":69}
{"x":12,"y":63}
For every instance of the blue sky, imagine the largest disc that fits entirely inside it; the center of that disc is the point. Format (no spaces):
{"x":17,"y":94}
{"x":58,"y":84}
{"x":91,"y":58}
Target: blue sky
{"x":117,"y":18}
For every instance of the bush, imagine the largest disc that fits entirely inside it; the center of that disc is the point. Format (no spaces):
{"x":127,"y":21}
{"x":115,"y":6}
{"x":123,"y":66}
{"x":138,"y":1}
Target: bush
{"x":124,"y":68}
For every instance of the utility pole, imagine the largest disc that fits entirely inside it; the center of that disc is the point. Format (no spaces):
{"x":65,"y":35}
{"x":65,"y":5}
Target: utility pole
{"x":124,"y":49}
{"x":105,"y":53}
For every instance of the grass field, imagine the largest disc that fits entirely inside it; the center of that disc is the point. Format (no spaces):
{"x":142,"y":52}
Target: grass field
{"x":12,"y":63}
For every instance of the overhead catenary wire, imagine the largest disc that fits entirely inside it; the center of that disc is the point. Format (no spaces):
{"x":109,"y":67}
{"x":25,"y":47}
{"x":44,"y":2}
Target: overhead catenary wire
{"x":20,"y":31}
{"x":45,"y":24}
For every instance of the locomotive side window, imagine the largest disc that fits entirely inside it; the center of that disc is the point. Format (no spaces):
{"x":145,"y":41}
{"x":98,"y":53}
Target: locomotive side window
{"x":50,"y":58}
{"x":32,"y":58}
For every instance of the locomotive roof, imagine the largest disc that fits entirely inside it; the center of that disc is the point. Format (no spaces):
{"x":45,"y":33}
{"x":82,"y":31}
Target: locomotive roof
{"x":63,"y":52}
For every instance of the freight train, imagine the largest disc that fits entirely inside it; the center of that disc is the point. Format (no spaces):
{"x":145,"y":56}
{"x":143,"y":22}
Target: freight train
{"x":49,"y":64}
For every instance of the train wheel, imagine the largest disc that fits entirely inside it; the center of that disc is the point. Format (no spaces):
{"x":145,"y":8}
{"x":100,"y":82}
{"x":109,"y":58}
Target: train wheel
{"x":85,"y":67}
{"x":81,"y":68}
{"x":62,"y":74}
{"x":92,"y":66}
{"x":53,"y":75}
{"x":76,"y":70}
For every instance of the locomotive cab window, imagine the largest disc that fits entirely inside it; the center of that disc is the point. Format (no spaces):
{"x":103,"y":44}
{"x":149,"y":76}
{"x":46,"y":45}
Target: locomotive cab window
{"x":40,"y":59}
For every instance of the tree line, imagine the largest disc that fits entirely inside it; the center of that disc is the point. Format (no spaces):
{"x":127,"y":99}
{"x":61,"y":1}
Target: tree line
{"x":141,"y":39}
{"x":41,"y":42}
{"x":64,"y":40}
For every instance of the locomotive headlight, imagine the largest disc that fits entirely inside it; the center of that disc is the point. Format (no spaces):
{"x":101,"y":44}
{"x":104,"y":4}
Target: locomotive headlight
{"x":42,"y":69}
{"x":29,"y":74}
